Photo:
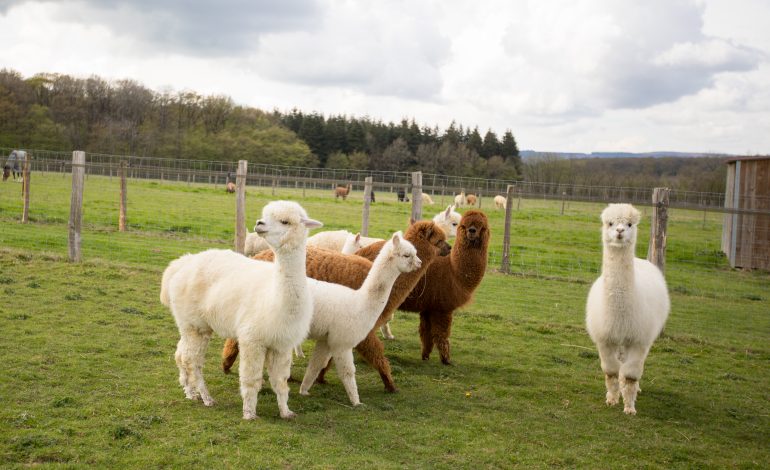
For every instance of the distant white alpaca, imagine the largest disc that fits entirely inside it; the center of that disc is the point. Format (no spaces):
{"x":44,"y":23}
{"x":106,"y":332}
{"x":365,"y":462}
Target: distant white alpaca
{"x":427,"y":200}
{"x":267,"y":306}
{"x":500,"y":202}
{"x":460,"y":199}
{"x":627,"y":306}
{"x":342,"y":317}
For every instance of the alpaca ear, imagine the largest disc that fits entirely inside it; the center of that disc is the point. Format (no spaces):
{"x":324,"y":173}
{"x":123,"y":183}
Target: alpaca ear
{"x":310,"y":223}
{"x":448,"y":211}
{"x":358,"y":237}
{"x":396,"y":239}
{"x":411,"y":220}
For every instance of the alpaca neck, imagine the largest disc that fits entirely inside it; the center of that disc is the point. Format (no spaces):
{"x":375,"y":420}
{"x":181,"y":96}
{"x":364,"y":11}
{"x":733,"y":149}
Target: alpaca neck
{"x":618,"y":273}
{"x":290,"y":276}
{"x":468,"y":263}
{"x":379,"y":282}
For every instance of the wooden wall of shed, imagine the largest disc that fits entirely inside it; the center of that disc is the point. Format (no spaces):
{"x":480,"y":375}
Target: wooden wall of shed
{"x":746,"y":237}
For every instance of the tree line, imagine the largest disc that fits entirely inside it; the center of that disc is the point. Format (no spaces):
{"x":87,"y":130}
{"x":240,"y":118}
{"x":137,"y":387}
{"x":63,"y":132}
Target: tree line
{"x":60,"y":112}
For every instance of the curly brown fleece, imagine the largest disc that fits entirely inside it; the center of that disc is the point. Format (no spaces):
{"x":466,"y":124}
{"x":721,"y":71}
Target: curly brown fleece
{"x":351,"y":270}
{"x":449,"y":284}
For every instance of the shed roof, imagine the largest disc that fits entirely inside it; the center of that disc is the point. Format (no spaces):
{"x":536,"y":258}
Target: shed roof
{"x":741,"y":159}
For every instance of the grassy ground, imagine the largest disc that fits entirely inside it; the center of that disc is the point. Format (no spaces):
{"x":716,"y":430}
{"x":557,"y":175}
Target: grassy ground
{"x":88,"y":376}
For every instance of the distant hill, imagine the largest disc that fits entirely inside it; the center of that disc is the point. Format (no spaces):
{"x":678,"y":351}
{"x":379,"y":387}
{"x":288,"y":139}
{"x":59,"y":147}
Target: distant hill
{"x":526,"y":154}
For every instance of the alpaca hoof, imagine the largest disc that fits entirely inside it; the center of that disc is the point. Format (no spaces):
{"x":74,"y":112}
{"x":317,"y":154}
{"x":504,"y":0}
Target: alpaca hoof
{"x":629,"y":411}
{"x":357,"y":404}
{"x":288,"y":415}
{"x":225,"y":369}
{"x":249,"y":415}
{"x":292,"y":379}
{"x":446,"y":362}
{"x":391,"y":337}
{"x":208,"y":401}
{"x":320,"y":380}
{"x":425,"y":357}
{"x":391,"y":389}
{"x":304,"y":393}
{"x":612,"y":401}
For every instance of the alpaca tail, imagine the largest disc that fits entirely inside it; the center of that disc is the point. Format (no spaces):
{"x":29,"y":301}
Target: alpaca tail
{"x":173,"y":268}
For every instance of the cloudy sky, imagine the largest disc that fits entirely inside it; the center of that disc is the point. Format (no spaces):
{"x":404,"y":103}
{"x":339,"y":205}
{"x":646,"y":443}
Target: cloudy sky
{"x":562,"y":75}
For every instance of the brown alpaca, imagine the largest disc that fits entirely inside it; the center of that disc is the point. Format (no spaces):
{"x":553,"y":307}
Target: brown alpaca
{"x":351,"y":270}
{"x":449,"y":284}
{"x":230,"y":187}
{"x":471,"y":199}
{"x":342,"y":191}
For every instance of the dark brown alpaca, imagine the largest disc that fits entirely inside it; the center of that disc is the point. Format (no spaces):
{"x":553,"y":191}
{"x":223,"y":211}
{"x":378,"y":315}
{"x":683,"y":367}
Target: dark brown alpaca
{"x":342,"y":191}
{"x":351,"y":271}
{"x":449,"y":284}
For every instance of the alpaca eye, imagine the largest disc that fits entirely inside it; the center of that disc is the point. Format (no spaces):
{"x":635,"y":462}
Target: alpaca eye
{"x":610,"y":224}
{"x":629,"y":224}
{"x":454,"y":225}
{"x":285,"y":222}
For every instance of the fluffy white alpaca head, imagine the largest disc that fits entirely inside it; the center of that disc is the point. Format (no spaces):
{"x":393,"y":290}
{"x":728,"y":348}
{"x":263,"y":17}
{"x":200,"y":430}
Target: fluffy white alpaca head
{"x":619,"y":225}
{"x":404,"y":253}
{"x":448,"y":220}
{"x":352,"y":244}
{"x":284,"y":224}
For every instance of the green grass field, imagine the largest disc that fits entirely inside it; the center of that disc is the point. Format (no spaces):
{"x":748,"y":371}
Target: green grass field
{"x":89,"y":380}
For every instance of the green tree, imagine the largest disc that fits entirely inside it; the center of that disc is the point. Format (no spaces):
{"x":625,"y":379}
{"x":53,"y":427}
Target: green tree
{"x":490,"y":146}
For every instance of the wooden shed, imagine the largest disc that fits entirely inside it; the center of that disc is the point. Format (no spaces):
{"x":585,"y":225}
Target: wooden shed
{"x":746,"y":232}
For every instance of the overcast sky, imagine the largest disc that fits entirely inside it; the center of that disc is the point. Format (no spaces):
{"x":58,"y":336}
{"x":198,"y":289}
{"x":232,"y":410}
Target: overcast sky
{"x":562,"y":75}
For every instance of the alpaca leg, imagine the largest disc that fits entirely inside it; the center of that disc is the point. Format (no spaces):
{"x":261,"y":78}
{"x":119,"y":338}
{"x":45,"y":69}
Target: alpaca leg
{"x":386,"y":333}
{"x":440,"y":329}
{"x":298,"y":351}
{"x":200,"y":359}
{"x":425,"y":338}
{"x":608,"y":356}
{"x":346,"y":369}
{"x":373,"y":352}
{"x":318,"y":360}
{"x":250,"y":371}
{"x":229,"y":353}
{"x":279,"y":369}
{"x":630,"y":374}
{"x":184,"y":364}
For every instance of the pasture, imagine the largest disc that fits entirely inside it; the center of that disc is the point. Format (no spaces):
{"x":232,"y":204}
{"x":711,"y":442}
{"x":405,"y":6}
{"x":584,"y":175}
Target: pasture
{"x":88,"y":374}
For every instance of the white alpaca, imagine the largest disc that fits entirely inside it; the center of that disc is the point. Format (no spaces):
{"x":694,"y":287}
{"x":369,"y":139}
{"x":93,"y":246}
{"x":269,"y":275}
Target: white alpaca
{"x":336,"y":240}
{"x":342,"y":317}
{"x":427,"y":200}
{"x":500,"y":202}
{"x":460,"y":199}
{"x":267,"y":306}
{"x":448,"y":220}
{"x":627,"y":306}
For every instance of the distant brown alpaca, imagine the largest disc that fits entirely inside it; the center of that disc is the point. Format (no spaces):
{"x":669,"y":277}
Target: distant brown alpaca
{"x":230,"y":188}
{"x":351,"y":270}
{"x":470,"y":199}
{"x":449,"y":284}
{"x":342,"y":191}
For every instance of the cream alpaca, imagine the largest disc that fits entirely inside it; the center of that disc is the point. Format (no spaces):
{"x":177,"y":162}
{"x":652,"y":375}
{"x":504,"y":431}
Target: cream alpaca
{"x":267,"y":306}
{"x":500,"y":202}
{"x":627,"y":306}
{"x":460,"y":199}
{"x":342,"y":316}
{"x":335,"y":240}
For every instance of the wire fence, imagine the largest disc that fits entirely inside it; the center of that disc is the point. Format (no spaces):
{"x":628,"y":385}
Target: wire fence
{"x":178,"y":206}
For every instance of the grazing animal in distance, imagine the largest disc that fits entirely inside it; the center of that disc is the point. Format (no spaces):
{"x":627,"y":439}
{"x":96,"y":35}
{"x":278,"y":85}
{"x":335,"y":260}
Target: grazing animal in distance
{"x":500,"y":202}
{"x":342,"y":191}
{"x":427,"y":200}
{"x":230,"y":187}
{"x":470,"y":199}
{"x":401,"y":194}
{"x":267,"y":306}
{"x":449,"y":283}
{"x":627,"y":306}
{"x":460,"y":199}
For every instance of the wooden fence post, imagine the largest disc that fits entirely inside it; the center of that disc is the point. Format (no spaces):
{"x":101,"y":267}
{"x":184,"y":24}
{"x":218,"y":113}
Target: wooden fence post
{"x":656,"y":251}
{"x":240,"y":206}
{"x":416,"y":195}
{"x":25,"y":189}
{"x":123,"y":196}
{"x":367,"y":203}
{"x":76,"y":203}
{"x":563,"y":200}
{"x":506,"y":263}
